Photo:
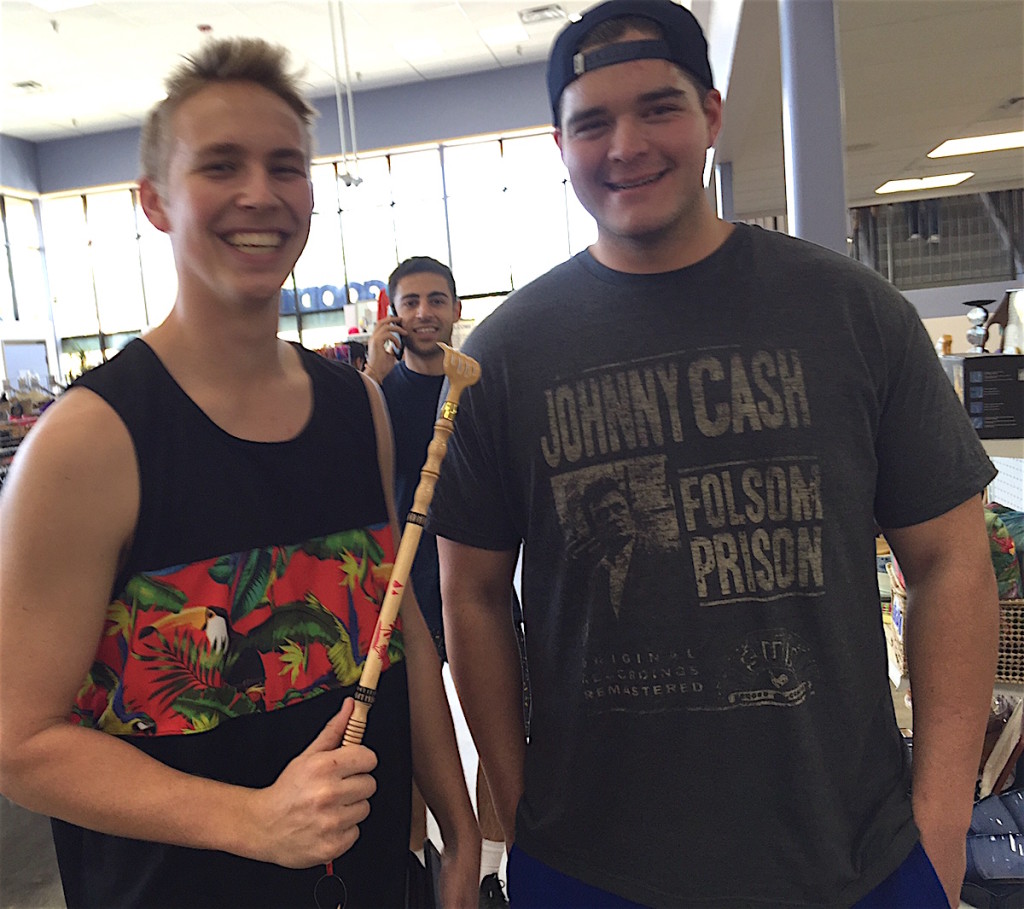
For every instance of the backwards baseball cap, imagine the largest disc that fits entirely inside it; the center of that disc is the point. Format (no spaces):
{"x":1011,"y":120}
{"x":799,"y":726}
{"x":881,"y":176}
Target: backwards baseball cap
{"x":684,"y":44}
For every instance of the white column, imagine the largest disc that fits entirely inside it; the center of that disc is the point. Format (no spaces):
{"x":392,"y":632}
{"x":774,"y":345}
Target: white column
{"x":812,"y":122}
{"x":723,"y":191}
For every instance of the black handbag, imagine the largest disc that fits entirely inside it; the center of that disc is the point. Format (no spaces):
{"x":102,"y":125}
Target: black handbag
{"x":423,"y":884}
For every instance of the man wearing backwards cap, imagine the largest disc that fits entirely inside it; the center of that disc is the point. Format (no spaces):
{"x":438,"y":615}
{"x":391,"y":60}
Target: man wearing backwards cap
{"x":733,"y":744}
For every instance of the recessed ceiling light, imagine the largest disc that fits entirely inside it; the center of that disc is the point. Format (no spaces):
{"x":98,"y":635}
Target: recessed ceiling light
{"x":916,"y":183}
{"x":973,"y":145}
{"x":541,"y":14}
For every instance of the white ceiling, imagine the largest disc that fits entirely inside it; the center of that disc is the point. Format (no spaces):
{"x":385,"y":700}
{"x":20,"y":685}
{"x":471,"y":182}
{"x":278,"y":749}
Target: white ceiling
{"x":915,"y":72}
{"x":102,"y":65}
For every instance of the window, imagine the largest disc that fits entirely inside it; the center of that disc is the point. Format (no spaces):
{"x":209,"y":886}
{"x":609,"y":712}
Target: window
{"x":499,"y":210}
{"x":6,"y":293}
{"x":117,"y":273}
{"x":159,"y":279}
{"x":582,"y":226}
{"x":70,"y":272}
{"x":367,"y":228}
{"x":417,"y":194}
{"x":30,"y":291}
{"x":477,"y":218}
{"x":537,"y":215}
{"x":321,"y":263}
{"x":6,"y":289}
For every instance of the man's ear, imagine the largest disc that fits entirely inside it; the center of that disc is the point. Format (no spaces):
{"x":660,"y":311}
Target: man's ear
{"x":153,"y":205}
{"x":558,"y":140}
{"x":457,"y":309}
{"x":713,"y":115}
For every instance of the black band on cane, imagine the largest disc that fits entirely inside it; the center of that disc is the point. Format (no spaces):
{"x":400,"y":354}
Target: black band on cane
{"x":366,"y":695}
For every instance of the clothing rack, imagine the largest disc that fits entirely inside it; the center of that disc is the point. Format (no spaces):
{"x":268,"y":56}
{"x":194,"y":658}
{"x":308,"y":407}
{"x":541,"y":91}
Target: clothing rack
{"x":11,"y":435}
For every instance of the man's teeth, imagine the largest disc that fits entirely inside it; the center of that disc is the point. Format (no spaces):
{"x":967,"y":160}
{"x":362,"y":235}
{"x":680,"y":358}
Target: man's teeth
{"x":255,"y":241}
{"x":635,"y":183}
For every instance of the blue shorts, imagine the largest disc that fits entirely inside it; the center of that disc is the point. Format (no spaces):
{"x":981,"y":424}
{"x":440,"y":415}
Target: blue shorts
{"x":534,"y":885}
{"x":914,"y":883}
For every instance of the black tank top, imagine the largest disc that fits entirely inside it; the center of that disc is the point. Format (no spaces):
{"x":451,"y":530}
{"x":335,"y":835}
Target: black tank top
{"x":236,"y":628}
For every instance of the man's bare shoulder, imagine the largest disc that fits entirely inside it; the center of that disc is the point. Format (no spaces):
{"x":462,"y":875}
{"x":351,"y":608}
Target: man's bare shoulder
{"x":80,"y":432}
{"x":78,"y":456}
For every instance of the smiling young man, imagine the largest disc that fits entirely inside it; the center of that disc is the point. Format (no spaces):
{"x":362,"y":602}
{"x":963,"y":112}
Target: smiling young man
{"x":732,"y":743}
{"x":177,"y":678}
{"x":636,"y":150}
{"x":426,"y":308}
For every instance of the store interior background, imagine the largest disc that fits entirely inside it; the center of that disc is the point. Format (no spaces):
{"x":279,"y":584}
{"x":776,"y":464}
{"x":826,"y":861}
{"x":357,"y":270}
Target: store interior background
{"x":452,"y":130}
{"x":435,"y":82}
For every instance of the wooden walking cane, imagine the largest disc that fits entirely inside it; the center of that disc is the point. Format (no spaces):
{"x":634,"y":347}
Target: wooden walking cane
{"x":461,"y":372}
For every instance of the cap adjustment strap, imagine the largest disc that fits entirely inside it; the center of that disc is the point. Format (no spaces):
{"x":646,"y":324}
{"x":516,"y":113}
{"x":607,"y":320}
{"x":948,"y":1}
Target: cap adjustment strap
{"x":620,"y":52}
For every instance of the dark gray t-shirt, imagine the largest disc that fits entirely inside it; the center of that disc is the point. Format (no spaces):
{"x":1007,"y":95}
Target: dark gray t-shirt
{"x":695,"y":463}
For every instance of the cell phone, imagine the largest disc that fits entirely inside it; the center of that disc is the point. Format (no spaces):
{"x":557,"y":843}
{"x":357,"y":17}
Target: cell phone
{"x":397,"y":342}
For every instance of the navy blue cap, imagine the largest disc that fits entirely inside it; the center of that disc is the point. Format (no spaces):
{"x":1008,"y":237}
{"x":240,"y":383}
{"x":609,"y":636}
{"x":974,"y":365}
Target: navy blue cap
{"x":684,"y":44}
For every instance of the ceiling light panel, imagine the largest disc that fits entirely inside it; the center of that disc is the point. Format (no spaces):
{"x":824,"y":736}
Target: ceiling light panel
{"x":918,"y":183}
{"x":973,"y":145}
{"x":549,"y":13}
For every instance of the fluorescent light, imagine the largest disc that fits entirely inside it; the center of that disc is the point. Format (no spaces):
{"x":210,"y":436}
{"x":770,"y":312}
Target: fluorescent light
{"x":541,"y":14}
{"x":972,"y":145}
{"x":915,"y":183}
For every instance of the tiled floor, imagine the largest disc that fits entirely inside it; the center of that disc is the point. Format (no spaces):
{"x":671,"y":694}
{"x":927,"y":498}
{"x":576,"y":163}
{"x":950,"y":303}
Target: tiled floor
{"x":28,"y":866}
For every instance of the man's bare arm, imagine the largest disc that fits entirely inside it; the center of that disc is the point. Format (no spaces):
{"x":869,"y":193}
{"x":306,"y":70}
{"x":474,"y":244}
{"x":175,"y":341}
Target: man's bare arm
{"x":437,"y":767}
{"x":67,"y":514}
{"x":476,"y":593}
{"x":952,"y":636}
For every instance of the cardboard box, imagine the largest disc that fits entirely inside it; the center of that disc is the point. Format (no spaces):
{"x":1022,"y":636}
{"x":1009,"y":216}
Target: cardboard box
{"x":992,"y":389}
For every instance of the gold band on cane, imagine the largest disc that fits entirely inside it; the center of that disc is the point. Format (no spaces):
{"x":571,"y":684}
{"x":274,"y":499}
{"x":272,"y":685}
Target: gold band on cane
{"x":448,"y":410}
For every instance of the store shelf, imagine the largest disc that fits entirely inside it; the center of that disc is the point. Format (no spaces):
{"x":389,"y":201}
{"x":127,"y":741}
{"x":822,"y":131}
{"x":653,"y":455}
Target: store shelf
{"x":1004,"y":448}
{"x":11,"y":433}
{"x":1008,"y":486}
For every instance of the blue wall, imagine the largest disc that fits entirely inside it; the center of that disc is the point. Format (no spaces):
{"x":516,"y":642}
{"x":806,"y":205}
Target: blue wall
{"x":94,"y":159}
{"x":486,"y":102}
{"x":19,"y":165}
